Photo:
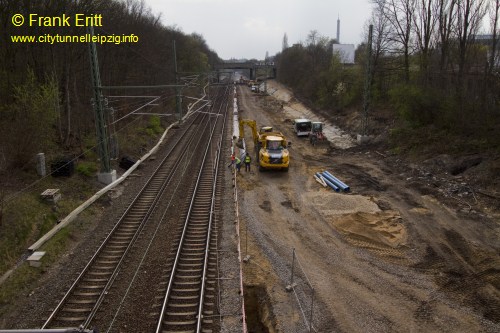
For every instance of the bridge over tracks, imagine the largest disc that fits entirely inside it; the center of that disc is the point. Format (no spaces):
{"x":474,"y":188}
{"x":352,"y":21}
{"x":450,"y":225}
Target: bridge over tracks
{"x":268,"y":67}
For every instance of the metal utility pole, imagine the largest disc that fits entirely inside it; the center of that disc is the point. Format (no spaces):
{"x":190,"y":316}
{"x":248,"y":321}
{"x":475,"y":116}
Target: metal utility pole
{"x":99,"y":109}
{"x":368,"y":83}
{"x":178,"y":101}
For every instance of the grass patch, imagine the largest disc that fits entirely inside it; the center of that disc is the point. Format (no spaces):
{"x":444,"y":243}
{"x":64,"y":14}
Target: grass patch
{"x":26,"y":218}
{"x":17,"y":285}
{"x":24,"y":221}
{"x":87,"y":169}
{"x":20,"y":282}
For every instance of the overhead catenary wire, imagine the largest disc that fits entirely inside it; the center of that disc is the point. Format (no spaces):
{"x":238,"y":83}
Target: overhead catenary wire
{"x":150,"y":103}
{"x":155,"y":99}
{"x":189,"y":97}
{"x":137,"y":103}
{"x":139,"y":108}
{"x":154,"y":114}
{"x":132,"y":96}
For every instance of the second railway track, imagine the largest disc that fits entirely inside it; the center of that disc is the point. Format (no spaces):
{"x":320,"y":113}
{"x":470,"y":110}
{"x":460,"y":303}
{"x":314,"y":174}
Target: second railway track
{"x":190,"y":304}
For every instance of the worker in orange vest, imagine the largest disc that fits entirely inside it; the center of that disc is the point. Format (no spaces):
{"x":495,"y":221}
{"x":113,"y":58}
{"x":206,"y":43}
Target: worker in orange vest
{"x":232,"y":161}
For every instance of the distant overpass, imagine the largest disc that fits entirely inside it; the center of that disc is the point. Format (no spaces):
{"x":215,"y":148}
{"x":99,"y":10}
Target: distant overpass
{"x":247,"y":65}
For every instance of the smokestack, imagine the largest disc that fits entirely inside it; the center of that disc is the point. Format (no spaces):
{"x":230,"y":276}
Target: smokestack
{"x":338,"y":30}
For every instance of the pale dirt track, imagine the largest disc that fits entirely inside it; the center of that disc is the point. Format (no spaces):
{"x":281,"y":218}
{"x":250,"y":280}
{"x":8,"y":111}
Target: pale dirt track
{"x":383,"y":258}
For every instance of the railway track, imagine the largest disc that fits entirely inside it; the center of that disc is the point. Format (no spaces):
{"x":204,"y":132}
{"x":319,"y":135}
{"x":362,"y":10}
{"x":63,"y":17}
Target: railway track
{"x":79,"y":305}
{"x":190,"y":303}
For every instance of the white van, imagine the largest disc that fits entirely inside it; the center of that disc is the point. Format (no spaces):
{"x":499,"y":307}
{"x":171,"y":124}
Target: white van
{"x":302,"y":127}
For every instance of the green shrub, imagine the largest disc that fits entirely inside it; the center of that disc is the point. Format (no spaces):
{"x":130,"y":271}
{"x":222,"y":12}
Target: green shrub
{"x":154,"y":126}
{"x":414,"y":104}
{"x":149,"y":131}
{"x":89,"y":146}
{"x":87,"y":168}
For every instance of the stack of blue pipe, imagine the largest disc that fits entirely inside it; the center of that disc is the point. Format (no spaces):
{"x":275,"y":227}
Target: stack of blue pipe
{"x":332,"y":181}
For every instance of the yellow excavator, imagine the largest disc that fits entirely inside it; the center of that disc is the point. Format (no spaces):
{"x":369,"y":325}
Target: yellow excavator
{"x":271,"y":147}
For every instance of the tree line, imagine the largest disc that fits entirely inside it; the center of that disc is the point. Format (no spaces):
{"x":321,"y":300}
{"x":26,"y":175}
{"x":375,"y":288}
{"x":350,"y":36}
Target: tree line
{"x":316,"y":74}
{"x":46,"y":89}
{"x":435,"y":63}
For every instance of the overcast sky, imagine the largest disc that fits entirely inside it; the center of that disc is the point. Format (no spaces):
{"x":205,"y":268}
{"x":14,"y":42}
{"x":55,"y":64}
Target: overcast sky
{"x":249,"y":28}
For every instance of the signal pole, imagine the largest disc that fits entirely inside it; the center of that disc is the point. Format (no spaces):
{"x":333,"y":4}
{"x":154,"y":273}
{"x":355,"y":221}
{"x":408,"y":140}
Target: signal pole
{"x":178,"y":100}
{"x":106,"y":175}
{"x":368,"y":87}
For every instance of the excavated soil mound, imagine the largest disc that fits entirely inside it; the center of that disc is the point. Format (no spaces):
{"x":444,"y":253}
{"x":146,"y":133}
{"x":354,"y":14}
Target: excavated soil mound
{"x":360,"y":218}
{"x":378,"y":228}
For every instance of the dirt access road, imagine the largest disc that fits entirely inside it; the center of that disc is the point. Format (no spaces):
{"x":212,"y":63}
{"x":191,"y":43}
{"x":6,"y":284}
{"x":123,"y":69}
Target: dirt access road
{"x":386,"y":257}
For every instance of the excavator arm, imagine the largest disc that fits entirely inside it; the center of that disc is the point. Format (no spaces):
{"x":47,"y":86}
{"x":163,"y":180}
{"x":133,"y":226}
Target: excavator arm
{"x":253,"y":125}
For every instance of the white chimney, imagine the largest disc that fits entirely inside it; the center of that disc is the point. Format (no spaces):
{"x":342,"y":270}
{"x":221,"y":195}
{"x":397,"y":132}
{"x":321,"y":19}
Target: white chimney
{"x":338,"y":30}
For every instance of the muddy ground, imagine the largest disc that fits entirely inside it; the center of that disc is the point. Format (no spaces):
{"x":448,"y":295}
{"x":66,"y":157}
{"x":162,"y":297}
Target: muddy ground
{"x":395,"y":254}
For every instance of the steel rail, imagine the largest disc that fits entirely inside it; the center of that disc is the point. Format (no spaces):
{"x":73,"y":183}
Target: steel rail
{"x":200,"y":142}
{"x":184,"y":232}
{"x":212,"y":212}
{"x":151,"y":209}
{"x":115,"y":228}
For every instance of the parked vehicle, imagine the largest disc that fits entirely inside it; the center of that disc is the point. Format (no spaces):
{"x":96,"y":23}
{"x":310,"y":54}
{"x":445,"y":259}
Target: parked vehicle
{"x":316,"y":135}
{"x":302,"y":127}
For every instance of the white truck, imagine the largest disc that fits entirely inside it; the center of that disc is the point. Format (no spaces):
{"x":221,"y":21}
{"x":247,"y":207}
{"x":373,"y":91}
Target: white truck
{"x":302,"y":127}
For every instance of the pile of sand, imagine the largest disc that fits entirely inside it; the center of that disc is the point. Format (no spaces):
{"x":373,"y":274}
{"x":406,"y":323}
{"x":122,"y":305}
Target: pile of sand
{"x":358,"y":217}
{"x":330,"y":203}
{"x":380,"y":228}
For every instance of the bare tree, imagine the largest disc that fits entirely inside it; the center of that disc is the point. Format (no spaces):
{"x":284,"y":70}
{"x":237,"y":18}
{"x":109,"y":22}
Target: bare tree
{"x":424,"y":22}
{"x":312,"y":38}
{"x":470,"y":14}
{"x":495,"y":29}
{"x":400,"y":13}
{"x":381,"y":37}
{"x":446,"y":19}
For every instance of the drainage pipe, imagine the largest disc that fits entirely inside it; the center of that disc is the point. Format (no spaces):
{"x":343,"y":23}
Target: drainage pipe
{"x":330,"y":178}
{"x":342,"y":185}
{"x":329,"y":182}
